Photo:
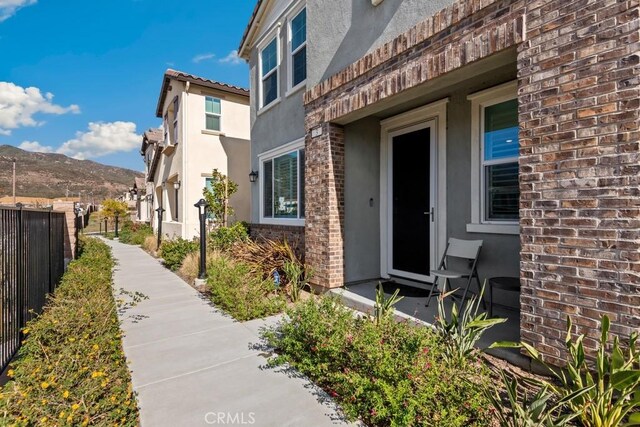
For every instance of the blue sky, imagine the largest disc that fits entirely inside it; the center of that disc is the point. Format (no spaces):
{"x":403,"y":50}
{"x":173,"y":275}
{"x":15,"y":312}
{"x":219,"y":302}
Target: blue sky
{"x":83,"y":77}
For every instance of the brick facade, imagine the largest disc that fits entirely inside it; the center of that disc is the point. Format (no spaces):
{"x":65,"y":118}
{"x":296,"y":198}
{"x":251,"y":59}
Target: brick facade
{"x":578,"y":98}
{"x":579,"y":166}
{"x":324,"y":206}
{"x":293,"y":235}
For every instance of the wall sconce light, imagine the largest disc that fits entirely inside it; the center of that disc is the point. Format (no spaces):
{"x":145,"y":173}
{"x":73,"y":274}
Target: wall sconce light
{"x":176,"y":185}
{"x":164,"y":184}
{"x":253,"y":176}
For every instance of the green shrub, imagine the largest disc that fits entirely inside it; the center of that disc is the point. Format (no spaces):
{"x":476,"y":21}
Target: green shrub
{"x":173,"y":252}
{"x":240,"y":292}
{"x":390,"y":374}
{"x":71,"y":369}
{"x":223,"y":237}
{"x":134,"y":233}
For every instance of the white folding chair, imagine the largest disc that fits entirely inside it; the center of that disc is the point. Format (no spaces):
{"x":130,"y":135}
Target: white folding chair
{"x":465,"y":250}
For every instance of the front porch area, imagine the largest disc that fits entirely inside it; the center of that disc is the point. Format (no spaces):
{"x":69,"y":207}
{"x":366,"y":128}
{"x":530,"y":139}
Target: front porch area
{"x":361,"y":296}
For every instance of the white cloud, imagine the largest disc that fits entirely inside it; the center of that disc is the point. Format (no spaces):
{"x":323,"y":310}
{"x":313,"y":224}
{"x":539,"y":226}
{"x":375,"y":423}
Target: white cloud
{"x":35,"y":146}
{"x":232,"y":58}
{"x":8,"y":8}
{"x":102,"y":139}
{"x":18,"y":105}
{"x":203,"y":57}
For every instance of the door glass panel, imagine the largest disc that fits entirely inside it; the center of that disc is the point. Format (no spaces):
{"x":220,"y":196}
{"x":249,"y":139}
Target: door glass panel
{"x":411,"y":202}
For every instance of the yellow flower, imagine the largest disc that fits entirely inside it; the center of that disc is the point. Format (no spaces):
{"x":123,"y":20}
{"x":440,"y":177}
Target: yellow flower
{"x":96,"y":374}
{"x":10,"y":373}
{"x":72,"y":339}
{"x":43,"y":419}
{"x":95,"y":347}
{"x":74,"y":406}
{"x":62,"y":414}
{"x":65,"y":394}
{"x":44,"y":385}
{"x":69,"y":418}
{"x":25,"y":331}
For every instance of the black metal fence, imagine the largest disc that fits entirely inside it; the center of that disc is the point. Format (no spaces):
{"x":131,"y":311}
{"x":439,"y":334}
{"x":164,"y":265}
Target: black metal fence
{"x":31,"y":265}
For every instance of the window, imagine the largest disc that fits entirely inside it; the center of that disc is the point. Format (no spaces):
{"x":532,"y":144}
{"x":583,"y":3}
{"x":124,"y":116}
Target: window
{"x":495,"y":148}
{"x":175,"y":119}
{"x":298,"y":48}
{"x":500,"y":161}
{"x":212,"y":112}
{"x":283,"y":186}
{"x":165,"y":126}
{"x":269,"y":72}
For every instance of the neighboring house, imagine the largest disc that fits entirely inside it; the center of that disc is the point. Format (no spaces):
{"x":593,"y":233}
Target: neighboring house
{"x":514,"y":122}
{"x":275,"y":46}
{"x":140,"y":196}
{"x":205,"y":127}
{"x":151,"y":151}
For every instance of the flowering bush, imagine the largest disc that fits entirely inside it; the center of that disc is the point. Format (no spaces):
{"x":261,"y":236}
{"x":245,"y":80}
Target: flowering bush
{"x":386,"y":374}
{"x":71,"y":369}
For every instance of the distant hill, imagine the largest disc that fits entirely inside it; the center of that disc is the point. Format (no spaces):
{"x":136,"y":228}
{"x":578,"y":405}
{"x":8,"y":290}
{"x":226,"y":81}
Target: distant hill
{"x":51,"y":175}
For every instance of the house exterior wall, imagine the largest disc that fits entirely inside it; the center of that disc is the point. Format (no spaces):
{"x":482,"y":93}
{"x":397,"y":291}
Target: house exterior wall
{"x":341,"y":32}
{"x":281,"y":122}
{"x":578,"y":103}
{"x":197,"y":153}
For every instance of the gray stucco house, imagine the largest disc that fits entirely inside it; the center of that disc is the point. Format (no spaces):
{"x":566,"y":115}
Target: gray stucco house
{"x":511,"y":121}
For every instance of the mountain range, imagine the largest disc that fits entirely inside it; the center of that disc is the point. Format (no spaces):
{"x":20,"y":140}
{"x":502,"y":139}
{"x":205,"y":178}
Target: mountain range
{"x":54,"y":175}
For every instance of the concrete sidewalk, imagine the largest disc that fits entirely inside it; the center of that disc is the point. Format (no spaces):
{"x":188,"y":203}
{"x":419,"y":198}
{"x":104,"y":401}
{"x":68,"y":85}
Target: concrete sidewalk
{"x":192,"y":365}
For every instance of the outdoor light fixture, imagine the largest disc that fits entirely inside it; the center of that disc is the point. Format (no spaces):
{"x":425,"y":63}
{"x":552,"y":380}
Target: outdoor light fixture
{"x":253,"y":176}
{"x":202,"y":206}
{"x":176,"y":185}
{"x":160,"y":211}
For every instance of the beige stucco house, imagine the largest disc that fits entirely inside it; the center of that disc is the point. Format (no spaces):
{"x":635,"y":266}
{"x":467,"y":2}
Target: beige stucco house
{"x":205,"y":126}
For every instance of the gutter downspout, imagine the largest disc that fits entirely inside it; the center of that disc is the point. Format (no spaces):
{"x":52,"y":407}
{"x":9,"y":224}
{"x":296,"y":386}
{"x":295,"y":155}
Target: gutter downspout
{"x":184,"y":178}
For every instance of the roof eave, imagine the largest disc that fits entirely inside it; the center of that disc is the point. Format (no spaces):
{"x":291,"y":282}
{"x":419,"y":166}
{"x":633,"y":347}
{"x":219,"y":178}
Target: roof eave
{"x":249,"y":32}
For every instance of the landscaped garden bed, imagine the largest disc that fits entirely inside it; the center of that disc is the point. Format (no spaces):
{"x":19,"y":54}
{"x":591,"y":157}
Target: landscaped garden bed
{"x":71,"y":369}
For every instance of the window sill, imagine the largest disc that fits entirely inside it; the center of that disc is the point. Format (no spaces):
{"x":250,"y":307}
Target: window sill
{"x":213,"y":132}
{"x":296,"y":88}
{"x":268,"y":107}
{"x":282,"y":221}
{"x":513,"y":229}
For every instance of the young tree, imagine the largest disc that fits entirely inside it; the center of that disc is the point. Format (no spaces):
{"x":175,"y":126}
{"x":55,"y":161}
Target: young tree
{"x":111,"y":207}
{"x":217,"y":195}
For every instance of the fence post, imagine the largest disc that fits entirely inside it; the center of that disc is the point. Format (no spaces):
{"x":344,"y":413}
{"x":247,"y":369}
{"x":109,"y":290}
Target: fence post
{"x":20,"y":258}
{"x":50,"y":253}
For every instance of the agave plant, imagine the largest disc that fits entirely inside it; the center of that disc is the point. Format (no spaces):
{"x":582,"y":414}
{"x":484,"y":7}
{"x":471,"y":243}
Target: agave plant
{"x":384,"y":306}
{"x":462,"y":330}
{"x":606,"y":394}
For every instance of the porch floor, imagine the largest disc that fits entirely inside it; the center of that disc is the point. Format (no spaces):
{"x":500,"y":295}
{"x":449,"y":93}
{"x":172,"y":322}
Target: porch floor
{"x":362,"y":297}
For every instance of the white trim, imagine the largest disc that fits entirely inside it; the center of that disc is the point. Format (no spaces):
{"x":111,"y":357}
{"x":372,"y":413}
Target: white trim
{"x":493,"y":228}
{"x":479,"y":101}
{"x":269,"y":155}
{"x":212,"y":132}
{"x":434,"y":115}
{"x":263,"y":44}
{"x":289,"y":55}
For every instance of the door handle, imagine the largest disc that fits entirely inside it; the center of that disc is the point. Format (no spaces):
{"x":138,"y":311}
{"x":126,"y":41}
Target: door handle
{"x":431,"y":214}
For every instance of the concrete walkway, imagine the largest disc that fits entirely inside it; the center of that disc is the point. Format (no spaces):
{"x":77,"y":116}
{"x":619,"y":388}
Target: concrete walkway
{"x":192,"y":365}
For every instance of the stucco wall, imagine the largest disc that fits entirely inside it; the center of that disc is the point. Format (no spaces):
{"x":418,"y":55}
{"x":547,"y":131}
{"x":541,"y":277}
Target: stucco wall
{"x":279,"y":123}
{"x":362,"y":183}
{"x":342,"y":31}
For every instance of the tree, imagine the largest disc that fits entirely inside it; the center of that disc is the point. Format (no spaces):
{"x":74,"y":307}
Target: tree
{"x":112,"y":207}
{"x":220,"y":188}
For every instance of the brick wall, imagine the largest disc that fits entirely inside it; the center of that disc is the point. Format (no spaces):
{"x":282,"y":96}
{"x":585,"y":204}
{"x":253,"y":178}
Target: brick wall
{"x":324,"y":206}
{"x":579,"y":164}
{"x":292,"y":234}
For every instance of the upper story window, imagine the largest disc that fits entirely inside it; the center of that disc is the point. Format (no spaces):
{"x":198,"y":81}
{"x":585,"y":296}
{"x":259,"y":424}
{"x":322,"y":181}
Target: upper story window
{"x":212,"y":112}
{"x":165,"y":127}
{"x":176,"y":104}
{"x":298,"y":48}
{"x":495,"y":184}
{"x":269,"y":72}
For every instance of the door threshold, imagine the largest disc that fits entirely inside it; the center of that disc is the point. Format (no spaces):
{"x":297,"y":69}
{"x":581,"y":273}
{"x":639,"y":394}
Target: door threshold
{"x":411,"y":282}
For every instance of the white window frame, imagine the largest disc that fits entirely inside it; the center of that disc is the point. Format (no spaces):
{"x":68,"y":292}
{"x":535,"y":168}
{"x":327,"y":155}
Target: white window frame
{"x":275,"y":34}
{"x":212,"y":114}
{"x":296,"y":145}
{"x":176,"y":107}
{"x":480,"y":101}
{"x":292,"y":15}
